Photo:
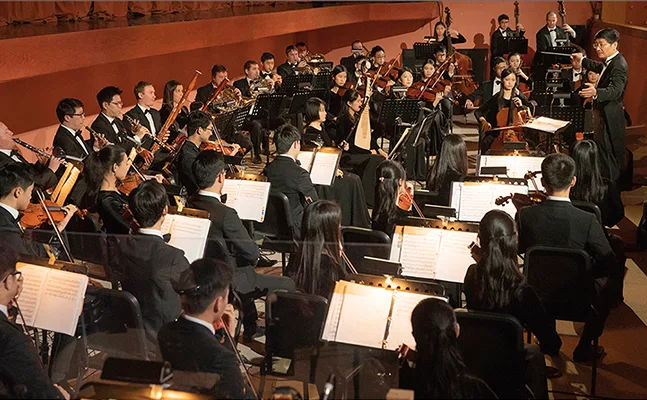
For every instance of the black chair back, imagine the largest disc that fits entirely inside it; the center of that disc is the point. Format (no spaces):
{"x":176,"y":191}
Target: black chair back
{"x":360,"y":242}
{"x":278,"y":222}
{"x":589,"y":207}
{"x":562,"y":279}
{"x":492,"y":349}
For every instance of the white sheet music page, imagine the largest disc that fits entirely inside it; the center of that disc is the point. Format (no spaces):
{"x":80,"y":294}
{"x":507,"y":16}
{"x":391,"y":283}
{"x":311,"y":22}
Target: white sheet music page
{"x":400,"y":329}
{"x":454,"y":257}
{"x":526,"y":164}
{"x":419,"y":253}
{"x":324,"y":168}
{"x":396,"y":244}
{"x":188,"y":234}
{"x":499,"y":190}
{"x":475,"y":201}
{"x":305,"y":158}
{"x":546,"y":124}
{"x":248,"y":198}
{"x":61,"y":302}
{"x":34,"y":278}
{"x":334,"y":312}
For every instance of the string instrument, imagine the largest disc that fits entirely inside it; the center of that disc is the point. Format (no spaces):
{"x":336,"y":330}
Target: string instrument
{"x":406,"y":201}
{"x":509,"y":121}
{"x":131,"y":181}
{"x":100,"y":138}
{"x":462,"y":82}
{"x":384,"y":75}
{"x":35,"y":215}
{"x":40,"y":152}
{"x":362,"y":126}
{"x":562,"y":16}
{"x":521,"y":200}
{"x":223,"y":147}
{"x":421,"y":91}
{"x":215,"y":94}
{"x":341,"y":91}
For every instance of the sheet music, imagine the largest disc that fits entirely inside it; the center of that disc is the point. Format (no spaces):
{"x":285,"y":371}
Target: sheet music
{"x":454,"y":257}
{"x":305,"y":158}
{"x":546,"y":124}
{"x":506,"y":190}
{"x":517,"y":166}
{"x":474,"y":200}
{"x":419,"y":252}
{"x":61,"y":302}
{"x":324,"y":168}
{"x":526,"y":164}
{"x":396,"y":244}
{"x":248,"y":198}
{"x":34,"y":278}
{"x":188,"y":234}
{"x":334,"y":312}
{"x":400,"y":330}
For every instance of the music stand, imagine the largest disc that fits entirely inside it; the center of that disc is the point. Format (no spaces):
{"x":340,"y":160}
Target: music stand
{"x":549,"y":59}
{"x":424,"y":50}
{"x":513,"y":44}
{"x":582,"y":118}
{"x":298,"y":104}
{"x":268,"y":105}
{"x":293,"y":83}
{"x":378,"y":266}
{"x":240,"y":115}
{"x":224,"y":121}
{"x":415,"y":285}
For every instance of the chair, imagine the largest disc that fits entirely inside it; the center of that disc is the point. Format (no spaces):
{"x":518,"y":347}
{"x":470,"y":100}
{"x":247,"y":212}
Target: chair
{"x":588,"y":207}
{"x":293,"y":321}
{"x":492,"y":349}
{"x":360,"y":242}
{"x":563,"y":281}
{"x":278,"y":229}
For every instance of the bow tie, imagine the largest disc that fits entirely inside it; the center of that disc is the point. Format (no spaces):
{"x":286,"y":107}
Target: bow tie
{"x":147,"y":112}
{"x":19,"y":217}
{"x":497,"y":82}
{"x":223,"y":198}
{"x":298,"y":162}
{"x":552,"y":30}
{"x":15,"y":153}
{"x":114,"y":121}
{"x":166,"y":237}
{"x":78,"y":134}
{"x":266,"y":74}
{"x":577,"y":73}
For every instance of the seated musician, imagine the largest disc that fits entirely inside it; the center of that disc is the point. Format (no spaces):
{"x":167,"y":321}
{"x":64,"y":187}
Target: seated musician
{"x":10,"y":154}
{"x":228,"y":238}
{"x":195,"y":342}
{"x":488,"y":89}
{"x":378,"y":55}
{"x":21,"y":368}
{"x":358,"y":78}
{"x":515,"y":62}
{"x":303,"y":51}
{"x":173,"y":92}
{"x":503,"y":31}
{"x":318,"y":264}
{"x":347,"y":189}
{"x":246,"y":84}
{"x":349,"y":62}
{"x":557,"y":223}
{"x":440,"y":55}
{"x":390,"y":182}
{"x":339,"y":77}
{"x":495,"y":284}
{"x":405,"y":79}
{"x":144,"y":113}
{"x":450,"y":166}
{"x":16,"y":186}
{"x":267,"y":70}
{"x":146,"y":264}
{"x":292,"y":63}
{"x":440,"y":34}
{"x":509,"y":97}
{"x":199,"y":129}
{"x":68,"y":137}
{"x":104,"y":170}
{"x":442,"y":119}
{"x":204,"y":93}
{"x":286,"y":176}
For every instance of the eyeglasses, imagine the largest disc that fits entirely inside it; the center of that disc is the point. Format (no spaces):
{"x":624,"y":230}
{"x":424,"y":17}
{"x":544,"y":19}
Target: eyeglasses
{"x":599,"y":45}
{"x":117,"y":103}
{"x":78,"y":115}
{"x":17,"y":274}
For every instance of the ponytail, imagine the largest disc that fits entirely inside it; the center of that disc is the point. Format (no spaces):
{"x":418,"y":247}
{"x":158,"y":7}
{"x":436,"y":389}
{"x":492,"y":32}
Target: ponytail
{"x":388,"y":177}
{"x":97,"y":164}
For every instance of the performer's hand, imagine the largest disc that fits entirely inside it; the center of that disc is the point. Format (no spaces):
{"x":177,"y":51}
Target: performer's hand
{"x":475,"y":251}
{"x":345,"y":146}
{"x":69,"y":211}
{"x":229,"y":319}
{"x":520,"y":27}
{"x":159,"y":178}
{"x":64,"y":392}
{"x":577,"y":57}
{"x":302,"y":64}
{"x":146,"y":155}
{"x":589,"y":90}
{"x":142,"y":131}
{"x":485,"y":126}
{"x":54,"y":163}
{"x":407,"y":353}
{"x":568,"y":29}
{"x":517,"y":102}
{"x":451,"y":69}
{"x":382,"y":153}
{"x":339,"y":173}
{"x":468,"y":104}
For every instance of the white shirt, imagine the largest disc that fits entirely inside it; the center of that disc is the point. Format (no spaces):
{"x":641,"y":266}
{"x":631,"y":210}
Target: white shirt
{"x":8,"y":154}
{"x":151,"y":231}
{"x":3,"y":309}
{"x":114,"y":126}
{"x":14,"y":213}
{"x":78,"y":139}
{"x":209,"y":194}
{"x":553,"y":36}
{"x":496,"y":88}
{"x":577,"y":78}
{"x":608,"y":60}
{"x":200,"y":322}
{"x":556,"y":198}
{"x":289,"y":156}
{"x":149,"y":117}
{"x":504,"y":33}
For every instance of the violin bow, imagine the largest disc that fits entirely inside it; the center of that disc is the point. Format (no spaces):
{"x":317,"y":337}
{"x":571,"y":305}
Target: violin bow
{"x":41,"y":199}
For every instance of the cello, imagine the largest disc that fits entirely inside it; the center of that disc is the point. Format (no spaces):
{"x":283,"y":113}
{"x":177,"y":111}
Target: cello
{"x":509,"y":121}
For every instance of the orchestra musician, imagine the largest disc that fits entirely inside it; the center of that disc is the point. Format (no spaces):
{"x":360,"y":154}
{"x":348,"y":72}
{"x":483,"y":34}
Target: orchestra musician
{"x":173,"y":92}
{"x":9,"y":154}
{"x":109,"y":123}
{"x":547,"y":36}
{"x":303,"y":50}
{"x":339,"y":76}
{"x":440,"y":34}
{"x":199,"y":129}
{"x":357,"y":51}
{"x":488,"y":89}
{"x":68,"y":137}
{"x":608,"y":107}
{"x":450,"y":166}
{"x":267,"y":72}
{"x":390,"y":181}
{"x":144,"y":113}
{"x":292,"y":63}
{"x":246,"y":84}
{"x":440,"y":55}
{"x":362,"y":66}
{"x":405,"y":79}
{"x":503,"y":31}
{"x":515,"y":62}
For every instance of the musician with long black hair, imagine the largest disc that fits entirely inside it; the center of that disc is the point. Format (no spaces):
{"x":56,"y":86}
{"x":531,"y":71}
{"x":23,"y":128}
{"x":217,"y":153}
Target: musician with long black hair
{"x":390,"y":181}
{"x":173,"y":92}
{"x":450,"y":166}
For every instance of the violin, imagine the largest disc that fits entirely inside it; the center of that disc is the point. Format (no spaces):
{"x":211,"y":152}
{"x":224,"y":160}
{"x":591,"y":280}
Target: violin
{"x":341,"y":91}
{"x":222,"y":147}
{"x":384,"y":76}
{"x":129,"y":183}
{"x":419,"y":91}
{"x":406,"y":201}
{"x":35,"y":216}
{"x":521,"y":200}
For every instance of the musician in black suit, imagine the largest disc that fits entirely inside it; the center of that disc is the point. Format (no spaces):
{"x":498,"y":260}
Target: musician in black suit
{"x":68,"y":136}
{"x":192,"y":343}
{"x":267,"y":70}
{"x":501,"y":32}
{"x":608,"y":107}
{"x":292,"y":62}
{"x":255,"y":127}
{"x":147,"y":264}
{"x":9,"y":154}
{"x":218,"y":74}
{"x":144,"y":113}
{"x":557,"y":223}
{"x":547,"y":36}
{"x":488,"y":89}
{"x":228,"y":238}
{"x":287,"y":176}
{"x":22,"y":375}
{"x":199,"y":129}
{"x":349,"y":62}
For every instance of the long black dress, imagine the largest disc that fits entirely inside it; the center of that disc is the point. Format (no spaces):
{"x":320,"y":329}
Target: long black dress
{"x":109,"y":206}
{"x":489,"y":111}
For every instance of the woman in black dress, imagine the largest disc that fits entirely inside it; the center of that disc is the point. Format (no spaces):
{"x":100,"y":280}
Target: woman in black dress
{"x":440,"y":34}
{"x":450,"y":166}
{"x":391,"y":180}
{"x":173,"y":92}
{"x":339,"y":78}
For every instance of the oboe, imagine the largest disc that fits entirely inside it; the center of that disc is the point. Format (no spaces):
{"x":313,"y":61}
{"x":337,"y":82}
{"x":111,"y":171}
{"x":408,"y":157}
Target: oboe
{"x":37,"y":150}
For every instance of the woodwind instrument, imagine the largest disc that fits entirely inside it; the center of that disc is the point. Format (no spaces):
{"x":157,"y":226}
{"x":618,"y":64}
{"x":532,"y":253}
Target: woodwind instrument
{"x":215,"y":94}
{"x":98,"y":136}
{"x":38,"y":151}
{"x":157,"y":142}
{"x":164,"y":131}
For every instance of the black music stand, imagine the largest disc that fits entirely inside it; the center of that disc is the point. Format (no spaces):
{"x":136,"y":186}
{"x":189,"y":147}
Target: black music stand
{"x":543,"y":90}
{"x":269,"y":106}
{"x":322,"y":81}
{"x":424,"y":50}
{"x":295,"y":82}
{"x":298,"y":104}
{"x":514,"y":44}
{"x":549,"y":59}
{"x":240,"y":115}
{"x":224,"y":121}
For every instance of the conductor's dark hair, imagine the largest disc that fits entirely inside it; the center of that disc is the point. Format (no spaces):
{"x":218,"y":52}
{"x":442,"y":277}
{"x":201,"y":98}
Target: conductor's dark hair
{"x":498,"y":60}
{"x":312,"y":109}
{"x":375,"y":50}
{"x":15,"y":175}
{"x":290,"y":48}
{"x":498,"y":280}
{"x":249,"y":64}
{"x":97,"y":165}
{"x":285,"y":136}
{"x":502,"y":17}
{"x":201,"y":283}
{"x":266,"y":56}
{"x":206,"y":168}
{"x":387,"y":180}
{"x":590,"y":186}
{"x":197,"y":119}
{"x":609,"y":34}
{"x":169,"y":89}
{"x":147,"y":203}
{"x":106,"y":94}
{"x":557,"y":171}
{"x":139,"y":88}
{"x":451,"y":162}
{"x":217,"y":68}
{"x":440,"y":371}
{"x":8,"y":260}
{"x":67,"y":106}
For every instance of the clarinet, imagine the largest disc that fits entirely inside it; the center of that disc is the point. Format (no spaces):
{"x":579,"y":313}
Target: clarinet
{"x":37,"y":150}
{"x":155,"y":139}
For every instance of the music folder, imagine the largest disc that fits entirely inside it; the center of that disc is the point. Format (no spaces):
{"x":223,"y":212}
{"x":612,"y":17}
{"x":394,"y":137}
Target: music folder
{"x":472,"y":200}
{"x":516,"y":166}
{"x":248,"y":198}
{"x":370,"y":316}
{"x":189,"y":234}
{"x":431,"y":253}
{"x":321,"y":163}
{"x":51,"y":299}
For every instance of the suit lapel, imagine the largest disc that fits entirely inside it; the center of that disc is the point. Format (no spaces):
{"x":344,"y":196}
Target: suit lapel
{"x":82,"y":148}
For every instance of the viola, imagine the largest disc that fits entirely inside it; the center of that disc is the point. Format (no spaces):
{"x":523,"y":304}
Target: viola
{"x":406,"y":201}
{"x":35,"y":216}
{"x":420,"y":92}
{"x":129,"y":184}
{"x":222,"y":147}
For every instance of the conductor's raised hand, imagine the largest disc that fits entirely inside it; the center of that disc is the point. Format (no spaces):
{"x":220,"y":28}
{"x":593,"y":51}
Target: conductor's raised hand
{"x":589,"y":90}
{"x":577,"y":57}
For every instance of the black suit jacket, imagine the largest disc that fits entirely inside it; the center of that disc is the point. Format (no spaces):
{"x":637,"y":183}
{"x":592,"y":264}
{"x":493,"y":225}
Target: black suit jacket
{"x":243,"y":86}
{"x":103,"y":126}
{"x":227,"y":233}
{"x":147,"y":265}
{"x":66,"y":141}
{"x":189,"y":346}
{"x":290,"y":179}
{"x":285,"y":69}
{"x":483,"y":92}
{"x":138,"y":114}
{"x":204,"y":93}
{"x":349,"y":63}
{"x":610,"y":136}
{"x":561,"y":224}
{"x":21,"y":370}
{"x":543,"y":37}
{"x":184,"y":163}
{"x":12,"y":234}
{"x":496,"y":41}
{"x":45,"y":178}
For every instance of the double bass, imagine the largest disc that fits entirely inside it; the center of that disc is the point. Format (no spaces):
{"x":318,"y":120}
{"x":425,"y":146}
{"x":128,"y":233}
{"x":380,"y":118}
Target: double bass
{"x":462,"y":82}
